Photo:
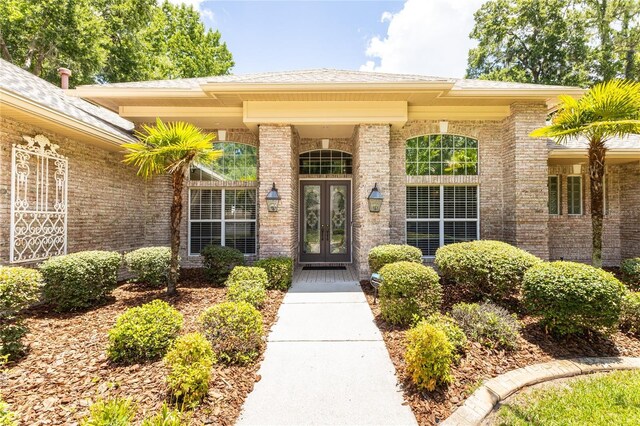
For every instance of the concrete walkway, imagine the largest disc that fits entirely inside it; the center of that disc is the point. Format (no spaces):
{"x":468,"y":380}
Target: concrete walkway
{"x":326,"y":362}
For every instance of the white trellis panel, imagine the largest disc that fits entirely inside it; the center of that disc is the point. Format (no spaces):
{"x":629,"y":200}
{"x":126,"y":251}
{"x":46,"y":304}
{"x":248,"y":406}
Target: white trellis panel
{"x":38,"y":200}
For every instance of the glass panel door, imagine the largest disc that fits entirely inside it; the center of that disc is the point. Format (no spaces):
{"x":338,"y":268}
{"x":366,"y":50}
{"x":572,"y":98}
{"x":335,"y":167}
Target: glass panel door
{"x":311,"y":219}
{"x":338,"y":219}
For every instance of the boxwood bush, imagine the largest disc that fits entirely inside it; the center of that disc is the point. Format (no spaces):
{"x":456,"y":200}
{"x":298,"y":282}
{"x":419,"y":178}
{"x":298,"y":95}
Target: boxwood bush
{"x":408,"y":289}
{"x":279,"y":271}
{"x":149,"y":265}
{"x":391,"y":253}
{"x":80,"y":280}
{"x":234,"y":330}
{"x":248,"y":273}
{"x":189,"y":359}
{"x":429,"y":356}
{"x":250,"y":291}
{"x":573,"y":297}
{"x":630,"y":314}
{"x":219,"y":261}
{"x":144,"y":332}
{"x":488,"y":324}
{"x":492,"y":269}
{"x":451,"y":329}
{"x":630,"y":269}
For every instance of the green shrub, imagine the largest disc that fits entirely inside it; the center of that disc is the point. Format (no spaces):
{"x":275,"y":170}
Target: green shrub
{"x":80,"y":280}
{"x":630,"y":312}
{"x":630,"y":269}
{"x":166,"y":417}
{"x":234,"y":330}
{"x":248,"y":273}
{"x":219,"y":261}
{"x":492,"y":269}
{"x":252,"y":292}
{"x":450,"y":328}
{"x":573,"y":297}
{"x":144,"y":332}
{"x":19,"y":288}
{"x":279,"y":271}
{"x":408,"y":289}
{"x":390,"y":253}
{"x":7,"y":417}
{"x":429,"y":356}
{"x":112,"y":412}
{"x":149,"y":265}
{"x":488,"y":324}
{"x":189,"y":360}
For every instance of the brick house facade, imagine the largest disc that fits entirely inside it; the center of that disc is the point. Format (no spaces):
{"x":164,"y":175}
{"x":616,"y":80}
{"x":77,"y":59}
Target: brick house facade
{"x":452,"y":158}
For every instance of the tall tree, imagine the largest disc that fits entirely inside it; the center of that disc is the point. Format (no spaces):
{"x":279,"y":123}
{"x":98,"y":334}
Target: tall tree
{"x":171,"y":148}
{"x":610,"y":109}
{"x":537,"y":41}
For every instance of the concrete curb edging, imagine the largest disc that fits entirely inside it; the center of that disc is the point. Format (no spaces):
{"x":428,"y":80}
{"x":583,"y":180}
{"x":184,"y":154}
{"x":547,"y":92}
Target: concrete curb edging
{"x":480,"y":404}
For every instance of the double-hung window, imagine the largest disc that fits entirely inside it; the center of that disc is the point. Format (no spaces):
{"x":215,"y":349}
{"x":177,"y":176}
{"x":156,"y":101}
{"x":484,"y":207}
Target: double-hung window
{"x":574,"y":195}
{"x":224,"y":217}
{"x":554,"y":194}
{"x":440,"y":215}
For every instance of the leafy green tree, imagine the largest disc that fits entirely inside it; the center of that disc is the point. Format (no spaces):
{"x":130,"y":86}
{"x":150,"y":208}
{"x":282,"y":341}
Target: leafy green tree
{"x":610,"y":109}
{"x":171,"y":148}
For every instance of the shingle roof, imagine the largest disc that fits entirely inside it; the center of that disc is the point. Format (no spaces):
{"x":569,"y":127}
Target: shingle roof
{"x":20,"y":82}
{"x":325,"y":76}
{"x":630,"y":142}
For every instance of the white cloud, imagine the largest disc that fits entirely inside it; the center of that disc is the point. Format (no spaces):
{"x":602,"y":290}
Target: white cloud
{"x":428,"y":37}
{"x":207,"y":14}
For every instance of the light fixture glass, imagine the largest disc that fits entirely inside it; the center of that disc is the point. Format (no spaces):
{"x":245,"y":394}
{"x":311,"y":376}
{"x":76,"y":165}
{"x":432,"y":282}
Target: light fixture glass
{"x":444,"y":126}
{"x":273,"y":198}
{"x":375,"y":200}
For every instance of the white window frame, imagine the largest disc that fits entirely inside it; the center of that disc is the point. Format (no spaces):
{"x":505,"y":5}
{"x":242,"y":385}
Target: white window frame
{"x":559,"y":189}
{"x":222,"y":220}
{"x":581,"y":196}
{"x":442,"y":220}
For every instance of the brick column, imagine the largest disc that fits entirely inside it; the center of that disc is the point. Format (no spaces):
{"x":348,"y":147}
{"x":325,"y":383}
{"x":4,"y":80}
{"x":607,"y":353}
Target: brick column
{"x":276,"y":153}
{"x":371,"y":165}
{"x":526,"y":215}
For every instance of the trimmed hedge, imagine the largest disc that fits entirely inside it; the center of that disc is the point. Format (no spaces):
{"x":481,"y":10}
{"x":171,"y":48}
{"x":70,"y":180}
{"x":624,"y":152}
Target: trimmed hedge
{"x":429,"y":356}
{"x":234,"y":330}
{"x":408,"y":289}
{"x":144,"y":332}
{"x":573,"y":297}
{"x":149,"y":265}
{"x":492,"y":269}
{"x":488,"y":324}
{"x":390,"y":253}
{"x":279,"y":271}
{"x":252,"y":292}
{"x":630,"y":313}
{"x":630,"y":269}
{"x":219,"y":261}
{"x":248,"y":273}
{"x":189,"y":359}
{"x":451,"y":329}
{"x":80,"y":280}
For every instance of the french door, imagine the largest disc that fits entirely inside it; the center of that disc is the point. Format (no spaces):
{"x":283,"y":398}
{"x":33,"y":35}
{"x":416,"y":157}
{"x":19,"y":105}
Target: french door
{"x":325,"y":221}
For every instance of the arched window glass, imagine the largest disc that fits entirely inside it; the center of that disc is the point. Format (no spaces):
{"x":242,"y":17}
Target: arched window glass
{"x":238,"y":163}
{"x":438,"y":155}
{"x":325,"y":162}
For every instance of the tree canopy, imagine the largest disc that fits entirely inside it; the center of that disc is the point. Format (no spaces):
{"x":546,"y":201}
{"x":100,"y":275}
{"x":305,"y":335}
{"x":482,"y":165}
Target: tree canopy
{"x":569,"y":42}
{"x":110,"y":40}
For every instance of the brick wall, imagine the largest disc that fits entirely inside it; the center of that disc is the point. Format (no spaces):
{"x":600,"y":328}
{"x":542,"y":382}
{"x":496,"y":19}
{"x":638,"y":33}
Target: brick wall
{"x":630,"y":205}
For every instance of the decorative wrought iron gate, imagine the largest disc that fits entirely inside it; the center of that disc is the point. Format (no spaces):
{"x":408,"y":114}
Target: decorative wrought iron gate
{"x":38,"y":200}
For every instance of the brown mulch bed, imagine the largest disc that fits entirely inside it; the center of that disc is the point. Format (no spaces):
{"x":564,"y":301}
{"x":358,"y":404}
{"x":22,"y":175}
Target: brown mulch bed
{"x":479,"y":363}
{"x":66,"y":368}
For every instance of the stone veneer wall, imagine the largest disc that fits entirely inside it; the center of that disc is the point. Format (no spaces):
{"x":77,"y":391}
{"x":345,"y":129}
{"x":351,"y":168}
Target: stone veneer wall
{"x":630,"y":206}
{"x":110,"y":208}
{"x":570,"y":235}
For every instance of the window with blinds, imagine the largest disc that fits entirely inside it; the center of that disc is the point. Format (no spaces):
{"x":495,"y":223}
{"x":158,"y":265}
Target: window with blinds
{"x":225,"y":217}
{"x":554,"y":194}
{"x":574,"y":195}
{"x":439,"y":215}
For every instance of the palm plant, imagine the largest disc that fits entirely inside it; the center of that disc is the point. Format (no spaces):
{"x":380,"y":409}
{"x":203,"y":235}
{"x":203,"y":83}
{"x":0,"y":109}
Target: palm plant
{"x":607,"y":110}
{"x":171,"y":148}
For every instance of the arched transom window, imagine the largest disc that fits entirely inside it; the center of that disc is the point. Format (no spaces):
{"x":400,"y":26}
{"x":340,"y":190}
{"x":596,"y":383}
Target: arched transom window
{"x":439,"y":155}
{"x":325,"y":162}
{"x":238,"y":163}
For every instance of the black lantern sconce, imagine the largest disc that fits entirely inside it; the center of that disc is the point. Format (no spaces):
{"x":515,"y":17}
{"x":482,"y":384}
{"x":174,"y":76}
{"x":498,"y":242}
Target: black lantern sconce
{"x":375,"y":200}
{"x":273,"y":198}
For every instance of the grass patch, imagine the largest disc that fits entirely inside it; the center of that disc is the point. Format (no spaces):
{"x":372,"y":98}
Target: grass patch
{"x":610,"y":399}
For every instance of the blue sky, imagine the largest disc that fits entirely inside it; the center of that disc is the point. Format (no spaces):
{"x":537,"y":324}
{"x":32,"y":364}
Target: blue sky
{"x":404,"y":36}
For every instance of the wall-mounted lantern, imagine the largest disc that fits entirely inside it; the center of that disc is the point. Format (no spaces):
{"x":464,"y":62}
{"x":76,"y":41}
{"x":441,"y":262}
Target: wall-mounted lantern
{"x":444,"y":126}
{"x":273,"y":198}
{"x":375,"y":199}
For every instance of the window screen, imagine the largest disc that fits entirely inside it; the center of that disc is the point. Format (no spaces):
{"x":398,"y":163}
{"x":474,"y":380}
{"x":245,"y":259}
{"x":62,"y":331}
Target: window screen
{"x":574,"y":195}
{"x":554,"y":194}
